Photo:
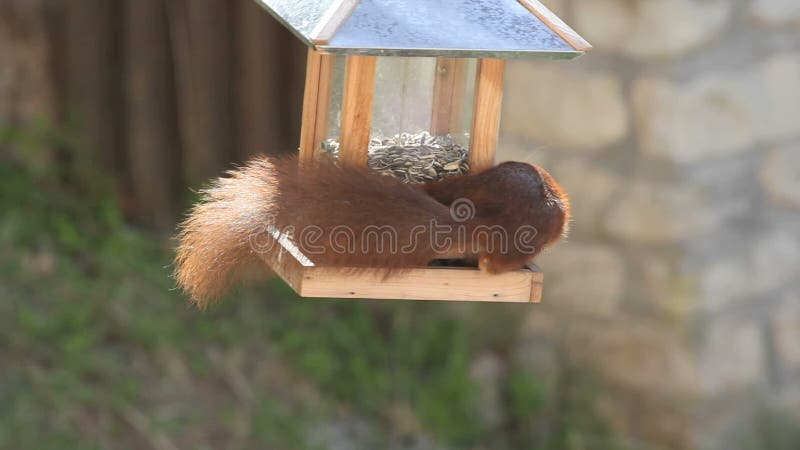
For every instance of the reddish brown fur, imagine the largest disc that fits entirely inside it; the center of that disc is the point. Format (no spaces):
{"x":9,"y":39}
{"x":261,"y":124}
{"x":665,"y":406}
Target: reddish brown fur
{"x":510,"y":195}
{"x":216,"y":240}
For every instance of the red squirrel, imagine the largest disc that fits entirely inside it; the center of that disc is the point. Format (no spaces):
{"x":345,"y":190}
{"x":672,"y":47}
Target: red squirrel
{"x":344,"y":215}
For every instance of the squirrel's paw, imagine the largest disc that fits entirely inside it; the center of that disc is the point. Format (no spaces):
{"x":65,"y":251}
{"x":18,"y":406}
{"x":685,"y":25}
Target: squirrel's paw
{"x":495,"y":264}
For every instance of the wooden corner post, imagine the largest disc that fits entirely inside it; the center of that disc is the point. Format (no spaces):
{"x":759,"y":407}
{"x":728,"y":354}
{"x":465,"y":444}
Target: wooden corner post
{"x":316,"y":102}
{"x":448,"y":95}
{"x":359,"y":85}
{"x":486,"y":113}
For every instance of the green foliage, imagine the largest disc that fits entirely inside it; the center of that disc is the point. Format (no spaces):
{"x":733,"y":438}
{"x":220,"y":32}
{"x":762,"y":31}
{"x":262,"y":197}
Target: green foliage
{"x":378,"y":355}
{"x":774,"y":429}
{"x":557,"y":417}
{"x":98,"y":350}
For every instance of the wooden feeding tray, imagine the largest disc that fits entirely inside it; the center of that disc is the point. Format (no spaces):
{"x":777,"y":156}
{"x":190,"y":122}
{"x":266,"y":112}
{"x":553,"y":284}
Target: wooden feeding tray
{"x":423,"y":283}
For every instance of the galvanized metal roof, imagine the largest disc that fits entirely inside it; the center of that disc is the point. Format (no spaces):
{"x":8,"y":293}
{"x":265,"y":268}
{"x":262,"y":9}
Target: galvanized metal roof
{"x":455,"y":28}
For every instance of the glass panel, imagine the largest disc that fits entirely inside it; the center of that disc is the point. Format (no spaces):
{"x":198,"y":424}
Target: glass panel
{"x":337,"y":89}
{"x":403,"y":95}
{"x":421,"y":116}
{"x":463,"y":122}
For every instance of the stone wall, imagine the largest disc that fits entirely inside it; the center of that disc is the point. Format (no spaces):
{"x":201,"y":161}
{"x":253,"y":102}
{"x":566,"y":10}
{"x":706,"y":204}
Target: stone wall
{"x":678,"y":140}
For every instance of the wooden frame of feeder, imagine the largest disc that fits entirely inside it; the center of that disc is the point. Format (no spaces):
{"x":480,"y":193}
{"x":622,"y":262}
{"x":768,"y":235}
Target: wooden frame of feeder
{"x":422,"y":283}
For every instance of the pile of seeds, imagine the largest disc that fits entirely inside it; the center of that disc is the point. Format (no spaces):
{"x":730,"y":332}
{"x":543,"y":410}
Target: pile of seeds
{"x":414,"y":157}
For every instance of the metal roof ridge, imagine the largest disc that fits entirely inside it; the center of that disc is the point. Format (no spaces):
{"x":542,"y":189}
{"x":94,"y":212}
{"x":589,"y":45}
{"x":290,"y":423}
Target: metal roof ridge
{"x":330,"y":22}
{"x":558,"y":26}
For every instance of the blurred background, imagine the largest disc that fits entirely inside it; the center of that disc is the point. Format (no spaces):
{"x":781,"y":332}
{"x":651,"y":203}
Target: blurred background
{"x":671,"y":317}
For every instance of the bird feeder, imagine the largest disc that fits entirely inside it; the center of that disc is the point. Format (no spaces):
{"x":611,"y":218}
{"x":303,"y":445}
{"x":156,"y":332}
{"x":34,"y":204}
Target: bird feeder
{"x":380,"y":68}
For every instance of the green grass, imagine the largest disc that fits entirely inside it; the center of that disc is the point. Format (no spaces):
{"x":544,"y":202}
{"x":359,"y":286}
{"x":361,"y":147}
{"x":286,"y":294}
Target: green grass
{"x":98,"y":350}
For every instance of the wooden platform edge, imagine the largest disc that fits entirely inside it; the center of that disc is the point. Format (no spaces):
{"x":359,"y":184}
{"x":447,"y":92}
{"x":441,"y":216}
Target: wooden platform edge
{"x":537,"y":283}
{"x":423,"y":283}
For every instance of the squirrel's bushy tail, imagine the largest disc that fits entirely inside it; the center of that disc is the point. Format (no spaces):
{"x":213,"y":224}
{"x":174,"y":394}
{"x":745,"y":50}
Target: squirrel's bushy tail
{"x":214,"y":241}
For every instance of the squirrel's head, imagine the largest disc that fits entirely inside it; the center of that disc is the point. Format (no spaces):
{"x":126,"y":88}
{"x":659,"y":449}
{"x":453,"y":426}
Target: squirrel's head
{"x":555,"y":196}
{"x":552,"y":194}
